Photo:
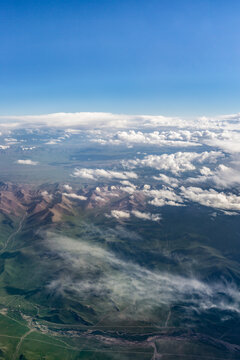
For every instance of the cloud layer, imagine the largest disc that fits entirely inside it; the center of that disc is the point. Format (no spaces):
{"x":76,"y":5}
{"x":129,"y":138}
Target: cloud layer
{"x":86,"y":120}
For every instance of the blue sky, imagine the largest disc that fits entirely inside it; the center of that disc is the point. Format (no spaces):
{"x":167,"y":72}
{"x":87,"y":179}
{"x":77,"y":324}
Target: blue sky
{"x":178,"y":57}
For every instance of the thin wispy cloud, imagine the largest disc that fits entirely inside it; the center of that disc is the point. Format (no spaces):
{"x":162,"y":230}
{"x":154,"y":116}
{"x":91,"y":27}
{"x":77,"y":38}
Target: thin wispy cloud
{"x":132,"y":284}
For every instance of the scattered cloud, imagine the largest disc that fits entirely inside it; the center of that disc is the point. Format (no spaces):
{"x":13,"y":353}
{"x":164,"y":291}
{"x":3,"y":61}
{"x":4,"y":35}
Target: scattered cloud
{"x":128,"y":187}
{"x":146,"y":216}
{"x":94,"y":174}
{"x":164,"y":196}
{"x":176,"y":163}
{"x":120,"y":214}
{"x":170,"y":181}
{"x":24,"y":148}
{"x":52,"y":142}
{"x":11,"y":141}
{"x":46,"y":195}
{"x":67,"y":187}
{"x":211,"y":198}
{"x":75,"y":196}
{"x":164,"y":138}
{"x":223,"y":176}
{"x":226,"y":176}
{"x":27,"y":162}
{"x":228,"y":141}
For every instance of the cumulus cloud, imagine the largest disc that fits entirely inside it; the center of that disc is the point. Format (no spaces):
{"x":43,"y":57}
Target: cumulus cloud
{"x":163,"y":138}
{"x":185,"y":131}
{"x":75,"y":196}
{"x":228,"y":141}
{"x":146,"y":216}
{"x":205,"y":171}
{"x":94,"y":174}
{"x":211,"y":198}
{"x":120,"y":214}
{"x":175,"y":163}
{"x":27,"y":162}
{"x":227,"y":176}
{"x":67,"y":187}
{"x":46,"y":195}
{"x":222,"y":177}
{"x":128,"y":187}
{"x":164,"y":196}
{"x":168,"y":180}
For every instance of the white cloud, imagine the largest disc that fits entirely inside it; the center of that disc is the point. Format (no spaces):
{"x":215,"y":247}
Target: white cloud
{"x":120,"y":214}
{"x":226,"y":176}
{"x":46,"y":195}
{"x":229,"y":141}
{"x":205,"y":171}
{"x":27,"y":162}
{"x":127,"y":283}
{"x":128,"y":186}
{"x":52,"y":142}
{"x":24,"y":148}
{"x":222,"y":177}
{"x":171,"y":181}
{"x":128,"y":189}
{"x":164,"y":196}
{"x":230,"y":213}
{"x":175,"y":163}
{"x":87,"y":120}
{"x":101,"y":119}
{"x":211,"y":198}
{"x":146,"y":187}
{"x":146,"y":216}
{"x":67,"y":187}
{"x":75,"y":196}
{"x":163,"y":138}
{"x":128,"y":183}
{"x":11,"y":140}
{"x":94,"y":174}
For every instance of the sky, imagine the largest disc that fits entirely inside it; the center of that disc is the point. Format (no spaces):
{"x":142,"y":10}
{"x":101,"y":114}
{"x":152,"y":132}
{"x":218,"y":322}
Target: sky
{"x":175,"y":58}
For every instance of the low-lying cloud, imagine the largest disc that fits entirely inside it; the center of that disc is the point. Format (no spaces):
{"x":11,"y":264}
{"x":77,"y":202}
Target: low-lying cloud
{"x":75,"y":196}
{"x":211,"y":198}
{"x":176,"y":163}
{"x":93,"y":270}
{"x":27,"y":162}
{"x":94,"y":174}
